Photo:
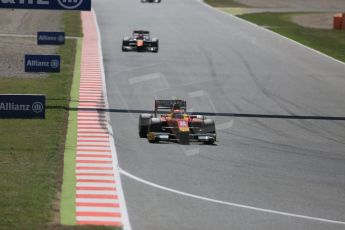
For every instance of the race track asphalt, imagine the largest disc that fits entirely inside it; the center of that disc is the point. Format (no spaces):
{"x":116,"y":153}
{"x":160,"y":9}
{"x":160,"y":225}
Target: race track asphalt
{"x":221,"y":64}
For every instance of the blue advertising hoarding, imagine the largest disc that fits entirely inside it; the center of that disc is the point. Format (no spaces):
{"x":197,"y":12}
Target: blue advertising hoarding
{"x":22,"y":106}
{"x":42,"y":63}
{"x":50,"y":38}
{"x":80,"y":5}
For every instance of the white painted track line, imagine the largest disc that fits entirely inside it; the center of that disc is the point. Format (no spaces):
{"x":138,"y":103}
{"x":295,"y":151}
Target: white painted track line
{"x":129,"y":175}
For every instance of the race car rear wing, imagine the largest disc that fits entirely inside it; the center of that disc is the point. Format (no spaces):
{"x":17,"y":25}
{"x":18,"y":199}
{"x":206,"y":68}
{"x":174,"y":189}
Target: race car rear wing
{"x":141,"y":32}
{"x":169,"y":104}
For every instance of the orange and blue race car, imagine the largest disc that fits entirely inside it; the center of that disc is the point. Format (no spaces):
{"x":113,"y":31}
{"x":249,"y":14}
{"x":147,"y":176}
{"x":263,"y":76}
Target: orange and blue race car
{"x":141,"y":42}
{"x":176,"y":125}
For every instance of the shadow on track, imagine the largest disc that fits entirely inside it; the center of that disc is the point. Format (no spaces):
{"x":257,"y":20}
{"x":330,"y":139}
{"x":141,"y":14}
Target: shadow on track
{"x":241,"y":115}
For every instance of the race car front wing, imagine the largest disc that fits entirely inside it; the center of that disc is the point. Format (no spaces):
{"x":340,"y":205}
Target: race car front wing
{"x":206,"y":138}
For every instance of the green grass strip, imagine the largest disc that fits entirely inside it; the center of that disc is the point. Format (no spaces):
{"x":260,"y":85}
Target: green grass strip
{"x":225,"y":3}
{"x":236,"y":10}
{"x":330,"y":42}
{"x":31,"y":151}
{"x":67,"y":213}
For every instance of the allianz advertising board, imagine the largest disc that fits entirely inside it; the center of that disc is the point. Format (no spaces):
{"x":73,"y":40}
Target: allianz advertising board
{"x":50,"y":38}
{"x":42,"y":63}
{"x":22,"y":106}
{"x":80,"y":5}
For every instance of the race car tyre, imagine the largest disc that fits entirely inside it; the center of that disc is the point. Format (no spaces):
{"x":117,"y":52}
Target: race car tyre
{"x":210,"y":142}
{"x":144,"y":120}
{"x":155,"y":44}
{"x":125,"y":42}
{"x":156,"y":50}
{"x":155,"y":125}
{"x":210,"y":128}
{"x":153,"y":141}
{"x":196,"y":127}
{"x":197,"y":124}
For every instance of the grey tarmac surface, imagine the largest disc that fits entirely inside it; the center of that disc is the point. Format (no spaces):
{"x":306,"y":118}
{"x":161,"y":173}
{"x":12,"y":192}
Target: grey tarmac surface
{"x":222,"y":64}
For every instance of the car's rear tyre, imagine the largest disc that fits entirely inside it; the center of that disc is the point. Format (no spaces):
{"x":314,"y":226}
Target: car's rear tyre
{"x":209,"y":126}
{"x":125,"y":42}
{"x":144,"y":120}
{"x":155,"y":125}
{"x":157,"y":46}
{"x":196,"y":126}
{"x":143,"y":131}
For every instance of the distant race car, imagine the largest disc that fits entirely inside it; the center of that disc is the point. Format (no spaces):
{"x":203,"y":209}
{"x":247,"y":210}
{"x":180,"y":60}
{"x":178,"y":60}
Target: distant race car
{"x":176,"y":125}
{"x":155,"y":1}
{"x":141,"y":42}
